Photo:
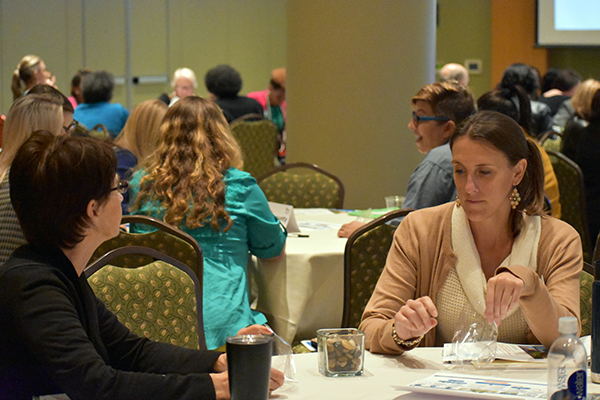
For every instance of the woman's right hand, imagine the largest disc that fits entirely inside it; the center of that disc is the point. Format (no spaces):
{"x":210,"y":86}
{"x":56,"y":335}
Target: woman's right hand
{"x":221,"y":383}
{"x":416,"y":318}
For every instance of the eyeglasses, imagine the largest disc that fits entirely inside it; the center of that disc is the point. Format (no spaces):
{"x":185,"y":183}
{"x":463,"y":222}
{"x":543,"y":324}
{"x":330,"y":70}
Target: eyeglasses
{"x":122,"y":186}
{"x":418,"y":118}
{"x":71,"y":127}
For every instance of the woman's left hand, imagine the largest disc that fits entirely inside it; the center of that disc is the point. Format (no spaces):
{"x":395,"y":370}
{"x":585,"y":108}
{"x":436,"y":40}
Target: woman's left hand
{"x":503,"y":293}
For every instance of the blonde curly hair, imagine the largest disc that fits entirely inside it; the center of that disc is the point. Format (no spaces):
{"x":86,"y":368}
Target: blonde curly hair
{"x":185,"y":173}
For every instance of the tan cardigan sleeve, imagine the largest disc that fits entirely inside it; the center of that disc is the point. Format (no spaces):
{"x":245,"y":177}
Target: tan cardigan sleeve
{"x":553,"y":291}
{"x":396,"y":285}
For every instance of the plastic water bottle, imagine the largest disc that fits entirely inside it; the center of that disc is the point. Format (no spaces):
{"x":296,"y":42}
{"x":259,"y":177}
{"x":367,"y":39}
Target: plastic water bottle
{"x":567,"y":364}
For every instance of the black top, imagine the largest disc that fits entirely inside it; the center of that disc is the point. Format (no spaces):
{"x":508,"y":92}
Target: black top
{"x":553,"y":102}
{"x":582,"y":144}
{"x":57,"y":336}
{"x":238,"y":106}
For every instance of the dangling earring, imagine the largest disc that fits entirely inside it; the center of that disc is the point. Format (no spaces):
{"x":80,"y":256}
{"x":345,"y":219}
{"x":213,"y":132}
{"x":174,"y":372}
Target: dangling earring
{"x":457,"y":201}
{"x":515,"y":198}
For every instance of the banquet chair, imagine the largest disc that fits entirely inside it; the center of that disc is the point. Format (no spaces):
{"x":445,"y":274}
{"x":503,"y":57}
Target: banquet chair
{"x":586,"y":280}
{"x":99,"y":131}
{"x":166,"y":239}
{"x":303,"y":185}
{"x":2,"y":117}
{"x":553,"y":143}
{"x":364,"y":258}
{"x":257,"y":138}
{"x":572,"y":197}
{"x":161,"y":300}
{"x":596,"y":255}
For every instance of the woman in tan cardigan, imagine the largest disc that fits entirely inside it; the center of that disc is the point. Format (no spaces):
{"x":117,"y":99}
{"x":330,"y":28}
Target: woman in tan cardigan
{"x":492,"y":252}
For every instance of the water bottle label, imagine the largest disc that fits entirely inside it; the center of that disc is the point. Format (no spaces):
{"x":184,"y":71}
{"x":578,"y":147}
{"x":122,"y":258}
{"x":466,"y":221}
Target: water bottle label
{"x":577,"y":385}
{"x":571,"y":388}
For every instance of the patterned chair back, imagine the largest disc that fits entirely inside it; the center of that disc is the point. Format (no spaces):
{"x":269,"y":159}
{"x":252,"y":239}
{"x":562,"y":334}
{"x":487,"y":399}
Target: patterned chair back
{"x":552,"y":143}
{"x":161,"y":300}
{"x":303,"y":185}
{"x":586,"y":280}
{"x":364,"y":259}
{"x":258,"y":141}
{"x":166,"y":239}
{"x":572,"y":197}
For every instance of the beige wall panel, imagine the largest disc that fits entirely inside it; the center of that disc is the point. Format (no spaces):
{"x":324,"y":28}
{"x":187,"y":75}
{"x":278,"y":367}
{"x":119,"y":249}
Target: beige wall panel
{"x":33,"y":27}
{"x":104,"y":40}
{"x":352,"y":68}
{"x":464,"y":33}
{"x":165,"y":35}
{"x":248,"y":35}
{"x":148,"y":46}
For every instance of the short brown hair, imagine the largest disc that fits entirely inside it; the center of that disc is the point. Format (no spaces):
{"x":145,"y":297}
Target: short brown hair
{"x":50,"y":196}
{"x":448,"y":99}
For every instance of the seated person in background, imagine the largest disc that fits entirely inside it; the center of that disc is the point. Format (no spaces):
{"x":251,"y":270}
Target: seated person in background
{"x":438,"y":108}
{"x":97,"y":89}
{"x":492,"y":252}
{"x":457,"y":72}
{"x":548,"y":80}
{"x":30,"y":71}
{"x":526,"y":77}
{"x":68,"y":110}
{"x":138,"y":139}
{"x":193,"y":182}
{"x":272,"y":101}
{"x":500,"y":101}
{"x":184,"y":84}
{"x":76,"y":97}
{"x":581,"y":143}
{"x":59,"y":337}
{"x":50,"y":79}
{"x":562,"y":88}
{"x":27,"y":114}
{"x":224,"y":83}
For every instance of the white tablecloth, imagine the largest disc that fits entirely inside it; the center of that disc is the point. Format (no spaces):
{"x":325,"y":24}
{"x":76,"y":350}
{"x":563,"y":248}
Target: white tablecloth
{"x":304,"y":290}
{"x":385,"y":374}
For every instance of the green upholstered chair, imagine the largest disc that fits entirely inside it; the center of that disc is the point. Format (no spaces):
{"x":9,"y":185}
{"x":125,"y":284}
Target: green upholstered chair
{"x":303,"y":185}
{"x":161,"y":300}
{"x":551,"y":141}
{"x":364,"y":258}
{"x":166,"y":239}
{"x":586,"y":280}
{"x":572,"y":198}
{"x":257,"y":137}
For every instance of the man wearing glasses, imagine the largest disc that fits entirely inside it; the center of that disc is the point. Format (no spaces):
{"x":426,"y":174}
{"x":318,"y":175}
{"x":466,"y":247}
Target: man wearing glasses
{"x":437,"y":109}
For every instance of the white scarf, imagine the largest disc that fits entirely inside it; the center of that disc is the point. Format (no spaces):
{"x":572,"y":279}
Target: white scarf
{"x":468,"y":266}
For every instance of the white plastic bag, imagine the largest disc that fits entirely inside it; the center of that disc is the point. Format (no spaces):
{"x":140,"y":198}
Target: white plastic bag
{"x":475,"y":340}
{"x":285,"y":361}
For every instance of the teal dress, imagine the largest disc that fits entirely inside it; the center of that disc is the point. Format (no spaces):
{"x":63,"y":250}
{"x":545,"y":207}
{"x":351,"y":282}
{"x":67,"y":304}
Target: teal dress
{"x":226,"y":305}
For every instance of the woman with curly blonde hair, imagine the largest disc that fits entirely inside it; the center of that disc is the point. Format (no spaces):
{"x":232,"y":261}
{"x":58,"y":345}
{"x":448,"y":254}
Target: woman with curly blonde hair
{"x":193,"y":182}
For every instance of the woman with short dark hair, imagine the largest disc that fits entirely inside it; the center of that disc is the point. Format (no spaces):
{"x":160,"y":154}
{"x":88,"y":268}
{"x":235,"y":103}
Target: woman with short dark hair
{"x":58,"y":336}
{"x":97,"y":89}
{"x":224,"y":83}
